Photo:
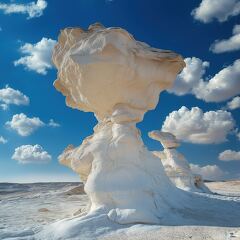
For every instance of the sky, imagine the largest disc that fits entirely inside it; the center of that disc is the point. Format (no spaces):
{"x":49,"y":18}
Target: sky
{"x":202,"y":108}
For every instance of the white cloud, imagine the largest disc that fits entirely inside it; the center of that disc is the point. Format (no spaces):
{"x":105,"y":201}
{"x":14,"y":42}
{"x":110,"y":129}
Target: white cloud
{"x":38,"y":56}
{"x":32,"y":9}
{"x":221,"y":10}
{"x":190,"y":76}
{"x":54,"y":124}
{"x":224,"y":85}
{"x":229,"y":155}
{"x":23,"y":125}
{"x":3,"y":140}
{"x":238,"y":136}
{"x":4,"y":106}
{"x":236,"y":29}
{"x":228,"y":45}
{"x":195,"y":126}
{"x":234,"y":103}
{"x":10,"y":96}
{"x":208,"y":172}
{"x":31,"y":154}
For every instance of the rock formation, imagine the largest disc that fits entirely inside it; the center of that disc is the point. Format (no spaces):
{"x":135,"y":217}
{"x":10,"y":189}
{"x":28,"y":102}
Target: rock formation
{"x":176,"y":166}
{"x":108,"y":72}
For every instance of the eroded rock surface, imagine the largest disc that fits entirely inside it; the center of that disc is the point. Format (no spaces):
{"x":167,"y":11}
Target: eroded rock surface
{"x":106,"y":71}
{"x":176,"y":166}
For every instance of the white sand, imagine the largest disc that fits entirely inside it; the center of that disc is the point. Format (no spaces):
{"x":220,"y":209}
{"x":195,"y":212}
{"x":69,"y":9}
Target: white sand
{"x":139,"y":232}
{"x":178,"y":233}
{"x":228,"y":188}
{"x":20,"y":218}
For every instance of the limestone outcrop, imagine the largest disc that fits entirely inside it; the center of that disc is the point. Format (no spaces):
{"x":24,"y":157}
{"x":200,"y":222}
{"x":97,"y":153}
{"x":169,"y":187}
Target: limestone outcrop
{"x":176,"y":166}
{"x":107,"y":72}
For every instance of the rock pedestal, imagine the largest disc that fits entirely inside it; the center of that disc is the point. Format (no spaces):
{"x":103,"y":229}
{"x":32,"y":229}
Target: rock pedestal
{"x":176,"y":166}
{"x":107,"y":72}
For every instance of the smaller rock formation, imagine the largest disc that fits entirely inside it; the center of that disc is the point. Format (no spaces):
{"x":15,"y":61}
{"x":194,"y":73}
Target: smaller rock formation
{"x":79,"y":190}
{"x":176,"y":166}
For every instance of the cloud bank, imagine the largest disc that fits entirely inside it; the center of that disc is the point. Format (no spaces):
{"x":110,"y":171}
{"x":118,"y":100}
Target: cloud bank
{"x":38,"y":56}
{"x":220,"y":10}
{"x":221,"y":87}
{"x":229,"y":155}
{"x":31,"y":154}
{"x":228,"y":45}
{"x":195,"y":126}
{"x":32,"y":9}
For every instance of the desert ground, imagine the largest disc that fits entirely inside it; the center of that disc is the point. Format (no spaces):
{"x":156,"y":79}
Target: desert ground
{"x":26,"y":208}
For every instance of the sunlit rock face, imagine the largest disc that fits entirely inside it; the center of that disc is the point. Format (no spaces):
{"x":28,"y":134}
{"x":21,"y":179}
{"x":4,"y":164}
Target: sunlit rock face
{"x":106,"y":71}
{"x":175,"y":165}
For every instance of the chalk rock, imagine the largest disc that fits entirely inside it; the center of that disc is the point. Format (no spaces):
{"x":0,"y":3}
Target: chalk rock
{"x":106,"y":71}
{"x":167,"y":140}
{"x":176,"y":166}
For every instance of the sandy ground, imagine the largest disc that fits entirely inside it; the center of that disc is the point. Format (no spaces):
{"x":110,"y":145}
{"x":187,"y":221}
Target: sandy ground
{"x":179,"y":233}
{"x":228,"y":188}
{"x":23,"y":212}
{"x":138,"y":232}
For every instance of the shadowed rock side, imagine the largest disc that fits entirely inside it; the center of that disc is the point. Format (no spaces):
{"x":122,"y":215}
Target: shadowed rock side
{"x":175,"y":165}
{"x":108,"y":72}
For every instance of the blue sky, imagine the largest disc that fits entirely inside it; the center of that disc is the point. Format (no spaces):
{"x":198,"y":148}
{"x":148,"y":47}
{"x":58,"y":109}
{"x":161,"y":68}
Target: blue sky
{"x":161,"y":24}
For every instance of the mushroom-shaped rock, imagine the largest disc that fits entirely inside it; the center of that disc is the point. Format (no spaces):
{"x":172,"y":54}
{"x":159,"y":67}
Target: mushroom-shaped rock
{"x":106,"y":71}
{"x":176,"y":166}
{"x":167,"y":139}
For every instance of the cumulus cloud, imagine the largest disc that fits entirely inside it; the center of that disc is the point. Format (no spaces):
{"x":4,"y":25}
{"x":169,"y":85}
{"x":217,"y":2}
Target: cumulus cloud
{"x":234,"y":103}
{"x":228,"y":45}
{"x":238,"y":136}
{"x":208,"y":172}
{"x":220,"y":10}
{"x":24,"y":125}
{"x":3,"y":140}
{"x":190,"y":76}
{"x":38,"y":56}
{"x":10,"y":96}
{"x":31,"y":154}
{"x":54,"y":124}
{"x":4,"y":106}
{"x":222,"y":86}
{"x":229,"y":155}
{"x":32,"y":9}
{"x":195,"y":126}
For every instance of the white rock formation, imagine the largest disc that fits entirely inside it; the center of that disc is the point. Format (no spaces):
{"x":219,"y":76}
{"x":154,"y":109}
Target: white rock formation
{"x":176,"y":166}
{"x":108,"y":72}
